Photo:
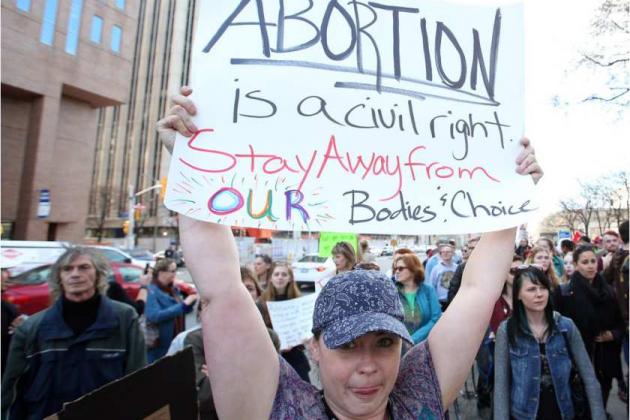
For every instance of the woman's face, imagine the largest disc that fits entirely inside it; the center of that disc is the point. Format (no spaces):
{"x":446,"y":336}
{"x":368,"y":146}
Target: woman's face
{"x":280,"y":278}
{"x":533,"y":296}
{"x":251,"y":288}
{"x":587,"y":265}
{"x":358,"y":378}
{"x":341,"y":262}
{"x":167,"y":277}
{"x":569,"y":267}
{"x":402,"y":272}
{"x":260,"y":266}
{"x":543,"y":259}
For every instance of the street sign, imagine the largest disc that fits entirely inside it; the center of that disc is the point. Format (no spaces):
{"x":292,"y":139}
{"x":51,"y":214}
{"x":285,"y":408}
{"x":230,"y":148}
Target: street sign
{"x":43,"y":209}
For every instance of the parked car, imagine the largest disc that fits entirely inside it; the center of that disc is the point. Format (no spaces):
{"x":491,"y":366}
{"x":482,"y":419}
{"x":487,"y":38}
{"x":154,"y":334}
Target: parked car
{"x":312,"y":268}
{"x":179,"y":258}
{"x":141,"y":254}
{"x":29,"y":292}
{"x":113,"y":254}
{"x":20,"y":256}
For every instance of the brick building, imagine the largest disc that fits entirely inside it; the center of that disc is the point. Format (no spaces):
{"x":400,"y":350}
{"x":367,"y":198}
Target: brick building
{"x":62,"y":60}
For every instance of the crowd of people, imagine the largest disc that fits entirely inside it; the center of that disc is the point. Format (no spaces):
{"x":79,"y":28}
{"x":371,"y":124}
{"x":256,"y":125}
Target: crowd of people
{"x":546,"y":327}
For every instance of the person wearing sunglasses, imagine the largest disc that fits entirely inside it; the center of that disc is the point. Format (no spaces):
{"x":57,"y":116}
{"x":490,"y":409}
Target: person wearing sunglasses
{"x":420,"y":303}
{"x":534,"y":354}
{"x":165,"y":308}
{"x":592,"y":304}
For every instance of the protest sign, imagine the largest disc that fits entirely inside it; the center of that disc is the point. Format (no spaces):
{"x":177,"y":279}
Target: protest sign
{"x":163,"y":390}
{"x":292,"y":319}
{"x":390,"y":117}
{"x":328,"y":240}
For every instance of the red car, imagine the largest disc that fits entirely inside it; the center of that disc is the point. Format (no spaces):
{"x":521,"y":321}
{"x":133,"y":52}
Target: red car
{"x":28,"y":291}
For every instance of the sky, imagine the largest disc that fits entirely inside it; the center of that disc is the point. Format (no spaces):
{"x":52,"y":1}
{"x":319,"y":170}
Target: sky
{"x":580,"y":141}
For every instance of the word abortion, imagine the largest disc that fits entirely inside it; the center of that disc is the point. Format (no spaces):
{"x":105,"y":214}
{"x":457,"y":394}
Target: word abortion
{"x":459,"y":75}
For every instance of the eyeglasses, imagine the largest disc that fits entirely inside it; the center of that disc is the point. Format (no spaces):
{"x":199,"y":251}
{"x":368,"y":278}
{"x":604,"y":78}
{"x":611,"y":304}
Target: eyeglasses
{"x":525,"y":267}
{"x":399,"y":269}
{"x":170,"y":271}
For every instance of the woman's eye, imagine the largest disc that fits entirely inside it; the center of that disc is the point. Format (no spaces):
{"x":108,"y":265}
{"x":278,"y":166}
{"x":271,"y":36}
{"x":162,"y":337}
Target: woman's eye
{"x":385,"y":342}
{"x":349,"y":346}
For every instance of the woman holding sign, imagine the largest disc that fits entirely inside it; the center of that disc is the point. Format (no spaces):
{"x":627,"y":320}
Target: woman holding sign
{"x":357,"y":324}
{"x":282,"y":286}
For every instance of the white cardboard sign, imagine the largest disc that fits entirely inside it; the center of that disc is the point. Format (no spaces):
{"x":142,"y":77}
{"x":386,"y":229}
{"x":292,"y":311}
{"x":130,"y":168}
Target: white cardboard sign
{"x":371,"y":117}
{"x":292,"y":319}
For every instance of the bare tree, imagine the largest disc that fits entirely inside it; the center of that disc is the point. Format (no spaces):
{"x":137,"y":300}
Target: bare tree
{"x":101,"y":206}
{"x":604,"y":201}
{"x":608,"y":53}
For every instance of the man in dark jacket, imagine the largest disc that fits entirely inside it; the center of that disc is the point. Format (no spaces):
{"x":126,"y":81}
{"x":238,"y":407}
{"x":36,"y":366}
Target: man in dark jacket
{"x":80,"y":343}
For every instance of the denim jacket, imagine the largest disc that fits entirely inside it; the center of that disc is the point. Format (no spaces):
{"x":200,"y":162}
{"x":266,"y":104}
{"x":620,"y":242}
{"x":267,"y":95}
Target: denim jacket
{"x":162,"y":309}
{"x":427,"y":300}
{"x":517,"y":372}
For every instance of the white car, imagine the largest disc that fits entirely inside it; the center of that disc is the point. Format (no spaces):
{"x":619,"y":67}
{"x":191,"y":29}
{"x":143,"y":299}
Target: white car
{"x":118,"y":255}
{"x":311,"y":269}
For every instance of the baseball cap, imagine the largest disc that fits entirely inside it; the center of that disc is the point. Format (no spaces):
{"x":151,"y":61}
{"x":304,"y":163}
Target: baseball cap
{"x":355,"y":303}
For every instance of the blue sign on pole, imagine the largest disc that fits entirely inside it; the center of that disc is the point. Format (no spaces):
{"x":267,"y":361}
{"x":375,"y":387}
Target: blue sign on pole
{"x":43,"y":210}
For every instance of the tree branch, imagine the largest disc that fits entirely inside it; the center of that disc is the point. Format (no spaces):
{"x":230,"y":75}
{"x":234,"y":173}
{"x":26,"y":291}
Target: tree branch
{"x":599,"y":98}
{"x":602,"y":64}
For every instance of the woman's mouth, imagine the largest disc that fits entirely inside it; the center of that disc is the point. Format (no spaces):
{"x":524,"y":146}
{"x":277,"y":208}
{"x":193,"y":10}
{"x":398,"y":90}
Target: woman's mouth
{"x":365,"y":391}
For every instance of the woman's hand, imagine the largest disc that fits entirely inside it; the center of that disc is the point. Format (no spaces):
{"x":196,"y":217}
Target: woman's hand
{"x":178,"y":118}
{"x":190,"y":300}
{"x":526,"y":161}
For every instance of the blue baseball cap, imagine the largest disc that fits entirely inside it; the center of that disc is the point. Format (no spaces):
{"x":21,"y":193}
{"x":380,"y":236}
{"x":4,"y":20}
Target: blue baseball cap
{"x":355,"y":303}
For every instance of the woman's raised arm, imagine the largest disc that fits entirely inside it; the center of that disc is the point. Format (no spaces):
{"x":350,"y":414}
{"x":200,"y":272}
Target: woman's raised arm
{"x":242,"y":362}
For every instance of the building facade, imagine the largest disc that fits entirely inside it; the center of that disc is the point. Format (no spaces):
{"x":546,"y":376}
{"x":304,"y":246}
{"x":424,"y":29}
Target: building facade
{"x":128,"y":154}
{"x":62,"y":61}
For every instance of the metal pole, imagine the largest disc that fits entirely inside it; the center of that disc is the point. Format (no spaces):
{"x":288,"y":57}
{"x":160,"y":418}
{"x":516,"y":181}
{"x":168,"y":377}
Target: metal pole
{"x":130,"y":217}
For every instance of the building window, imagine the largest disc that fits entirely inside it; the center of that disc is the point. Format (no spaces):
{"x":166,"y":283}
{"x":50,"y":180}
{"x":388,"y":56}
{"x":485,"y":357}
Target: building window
{"x":24,"y":5}
{"x":97,"y":29}
{"x":74,"y":27}
{"x":116,"y":38}
{"x":47,"y":35}
{"x":120,"y":4}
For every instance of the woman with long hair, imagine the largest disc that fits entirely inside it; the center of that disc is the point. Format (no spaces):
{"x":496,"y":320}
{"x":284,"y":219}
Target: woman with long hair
{"x":556,"y":259}
{"x":420,"y":303}
{"x":262,"y":268}
{"x":344,"y":256}
{"x":592,"y":304}
{"x":283,"y":287}
{"x":250,"y":283}
{"x":542,"y":257}
{"x":165,"y":308}
{"x":535,"y":351}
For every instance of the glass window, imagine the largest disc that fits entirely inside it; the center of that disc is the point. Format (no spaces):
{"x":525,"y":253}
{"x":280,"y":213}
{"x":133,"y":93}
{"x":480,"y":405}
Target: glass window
{"x":47,"y":35}
{"x":24,"y":5}
{"x":116,"y":38}
{"x":37,"y":275}
{"x":130,"y":274}
{"x":120,"y":4}
{"x":74,"y":27}
{"x":97,"y":29}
